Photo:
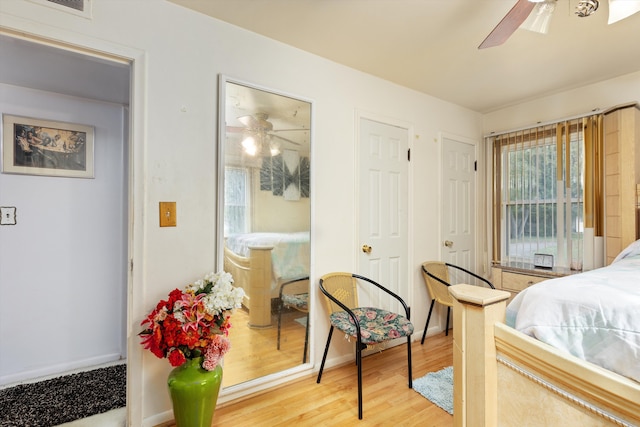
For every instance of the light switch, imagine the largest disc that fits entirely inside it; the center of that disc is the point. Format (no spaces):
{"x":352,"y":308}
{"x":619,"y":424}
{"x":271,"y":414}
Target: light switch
{"x":7,"y":215}
{"x":168,"y":214}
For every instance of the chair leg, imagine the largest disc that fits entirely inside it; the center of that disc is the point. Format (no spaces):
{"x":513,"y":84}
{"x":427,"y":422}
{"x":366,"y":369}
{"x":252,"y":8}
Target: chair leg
{"x":306,"y":341}
{"x":448,"y":315}
{"x":409,"y":361}
{"x":279,"y":320}
{"x":359,"y":363}
{"x":324,"y":356}
{"x":424,"y":334}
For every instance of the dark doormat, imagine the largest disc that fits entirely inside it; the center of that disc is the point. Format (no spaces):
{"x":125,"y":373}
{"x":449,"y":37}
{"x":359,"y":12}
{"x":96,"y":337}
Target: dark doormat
{"x":64,"y":399}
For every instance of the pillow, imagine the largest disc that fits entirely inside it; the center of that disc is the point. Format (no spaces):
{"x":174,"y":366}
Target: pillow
{"x":632,"y":249}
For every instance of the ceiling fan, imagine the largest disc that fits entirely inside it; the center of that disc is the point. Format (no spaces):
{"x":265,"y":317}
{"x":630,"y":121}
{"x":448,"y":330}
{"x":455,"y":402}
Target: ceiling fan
{"x":259,"y":133}
{"x":535,"y":15}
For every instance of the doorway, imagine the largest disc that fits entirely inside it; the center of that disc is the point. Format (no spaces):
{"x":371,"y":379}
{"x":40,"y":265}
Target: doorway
{"x":71,"y":238}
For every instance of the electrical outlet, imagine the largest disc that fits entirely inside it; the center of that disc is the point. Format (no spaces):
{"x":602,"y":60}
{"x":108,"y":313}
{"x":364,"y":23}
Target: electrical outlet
{"x":168,"y":214}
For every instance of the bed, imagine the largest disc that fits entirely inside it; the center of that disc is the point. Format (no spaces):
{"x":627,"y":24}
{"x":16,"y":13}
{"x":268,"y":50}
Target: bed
{"x":260,"y":263}
{"x":565,"y":351}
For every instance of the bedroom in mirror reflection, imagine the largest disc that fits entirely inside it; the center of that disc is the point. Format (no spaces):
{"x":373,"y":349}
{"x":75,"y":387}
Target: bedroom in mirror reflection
{"x":264,"y":226}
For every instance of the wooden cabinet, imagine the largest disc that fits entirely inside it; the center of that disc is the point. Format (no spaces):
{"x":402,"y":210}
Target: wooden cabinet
{"x":622,"y":176}
{"x":515,"y":278}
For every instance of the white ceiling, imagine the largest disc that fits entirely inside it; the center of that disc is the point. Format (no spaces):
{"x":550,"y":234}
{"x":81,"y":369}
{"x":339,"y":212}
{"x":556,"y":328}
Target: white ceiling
{"x":431,"y":45}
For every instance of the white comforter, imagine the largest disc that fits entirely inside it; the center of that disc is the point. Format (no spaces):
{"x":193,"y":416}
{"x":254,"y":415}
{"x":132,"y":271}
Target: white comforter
{"x":289,"y":256}
{"x":593,"y":315}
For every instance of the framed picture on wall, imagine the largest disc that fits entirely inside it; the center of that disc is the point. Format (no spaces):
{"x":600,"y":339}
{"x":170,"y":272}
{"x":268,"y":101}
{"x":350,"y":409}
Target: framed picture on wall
{"x":44,"y":147}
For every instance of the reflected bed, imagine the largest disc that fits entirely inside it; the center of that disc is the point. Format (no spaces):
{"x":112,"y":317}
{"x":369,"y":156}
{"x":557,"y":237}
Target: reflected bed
{"x":261,"y":262}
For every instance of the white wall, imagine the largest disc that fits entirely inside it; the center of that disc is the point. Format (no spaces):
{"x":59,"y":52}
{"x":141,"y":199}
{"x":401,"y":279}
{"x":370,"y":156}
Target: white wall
{"x":597,"y":96}
{"x":63,"y":265}
{"x":179,"y":54}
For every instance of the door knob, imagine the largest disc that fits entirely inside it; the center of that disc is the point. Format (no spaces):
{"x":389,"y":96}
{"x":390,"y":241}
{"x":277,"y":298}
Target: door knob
{"x":448,"y":243}
{"x":366,"y":249}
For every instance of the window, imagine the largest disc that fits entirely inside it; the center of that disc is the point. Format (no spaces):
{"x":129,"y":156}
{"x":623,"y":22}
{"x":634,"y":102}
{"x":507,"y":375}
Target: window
{"x":542,"y":179}
{"x":236,"y":200}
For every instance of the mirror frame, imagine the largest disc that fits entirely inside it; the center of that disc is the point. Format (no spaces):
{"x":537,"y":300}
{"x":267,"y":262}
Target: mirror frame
{"x":221,"y":163}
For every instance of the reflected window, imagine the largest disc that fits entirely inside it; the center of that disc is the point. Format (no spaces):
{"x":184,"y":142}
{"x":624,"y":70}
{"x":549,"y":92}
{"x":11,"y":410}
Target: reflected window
{"x":236,"y":201}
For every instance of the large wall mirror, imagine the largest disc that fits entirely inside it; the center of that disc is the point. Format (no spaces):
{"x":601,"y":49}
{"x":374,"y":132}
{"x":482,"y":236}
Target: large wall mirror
{"x":264,"y":226}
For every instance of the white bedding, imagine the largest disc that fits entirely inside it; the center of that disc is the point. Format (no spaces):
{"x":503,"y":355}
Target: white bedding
{"x":290,"y":255}
{"x":594,"y":315}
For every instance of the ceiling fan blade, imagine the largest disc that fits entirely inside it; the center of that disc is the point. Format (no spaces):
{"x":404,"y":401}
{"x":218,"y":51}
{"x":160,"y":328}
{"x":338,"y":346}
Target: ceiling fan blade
{"x":289,"y":130}
{"x":512,"y":20}
{"x":284,"y":139}
{"x":236,"y":129}
{"x":249,"y":121}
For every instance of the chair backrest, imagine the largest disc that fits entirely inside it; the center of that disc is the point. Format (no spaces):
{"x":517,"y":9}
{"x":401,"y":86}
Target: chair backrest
{"x":438,"y":290}
{"x":343,"y":287}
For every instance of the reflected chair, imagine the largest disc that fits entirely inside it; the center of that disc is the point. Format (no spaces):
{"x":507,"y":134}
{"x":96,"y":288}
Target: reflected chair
{"x":295,"y":294}
{"x":437,"y":278}
{"x":368,"y":325}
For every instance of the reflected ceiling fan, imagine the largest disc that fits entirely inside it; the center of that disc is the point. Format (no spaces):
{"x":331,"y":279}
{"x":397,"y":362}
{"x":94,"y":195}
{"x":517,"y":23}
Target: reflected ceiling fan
{"x":259,"y":134}
{"x":535,"y":15}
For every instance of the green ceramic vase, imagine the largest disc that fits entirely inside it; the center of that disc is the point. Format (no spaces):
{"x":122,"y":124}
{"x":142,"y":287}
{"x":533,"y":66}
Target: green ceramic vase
{"x":194,"y":393}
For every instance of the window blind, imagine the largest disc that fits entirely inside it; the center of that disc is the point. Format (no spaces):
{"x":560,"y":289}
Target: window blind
{"x":545,"y":190}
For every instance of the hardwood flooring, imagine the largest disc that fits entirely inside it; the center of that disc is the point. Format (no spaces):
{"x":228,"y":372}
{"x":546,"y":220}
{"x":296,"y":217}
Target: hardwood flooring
{"x":254,"y":353}
{"x":387,"y":400}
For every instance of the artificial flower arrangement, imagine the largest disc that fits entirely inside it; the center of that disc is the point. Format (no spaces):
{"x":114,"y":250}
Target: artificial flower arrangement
{"x":194,"y":322}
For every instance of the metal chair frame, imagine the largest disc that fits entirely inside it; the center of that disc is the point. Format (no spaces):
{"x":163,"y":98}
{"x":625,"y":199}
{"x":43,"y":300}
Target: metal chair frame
{"x":281,"y":306}
{"x":359,"y":345}
{"x":433,"y":300}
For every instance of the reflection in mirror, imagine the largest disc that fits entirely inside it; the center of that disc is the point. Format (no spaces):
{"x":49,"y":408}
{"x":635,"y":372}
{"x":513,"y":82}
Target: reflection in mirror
{"x":264,"y":227}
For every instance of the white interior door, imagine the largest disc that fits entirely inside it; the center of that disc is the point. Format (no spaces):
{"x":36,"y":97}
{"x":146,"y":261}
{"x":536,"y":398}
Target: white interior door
{"x":382,"y":220}
{"x":458,"y":216}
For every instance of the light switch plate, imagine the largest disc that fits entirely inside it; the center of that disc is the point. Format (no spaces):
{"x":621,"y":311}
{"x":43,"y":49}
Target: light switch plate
{"x":168,"y":214}
{"x":7,"y":215}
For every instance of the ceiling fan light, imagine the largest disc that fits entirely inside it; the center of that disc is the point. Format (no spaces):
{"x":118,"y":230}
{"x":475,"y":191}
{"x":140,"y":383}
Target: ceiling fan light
{"x":274,"y":149}
{"x":250,"y":146}
{"x":620,"y":9}
{"x":540,"y":17}
{"x":586,"y":7}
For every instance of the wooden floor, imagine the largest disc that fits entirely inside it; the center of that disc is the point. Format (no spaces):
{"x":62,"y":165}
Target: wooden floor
{"x":254,"y":353}
{"x":387,"y":398}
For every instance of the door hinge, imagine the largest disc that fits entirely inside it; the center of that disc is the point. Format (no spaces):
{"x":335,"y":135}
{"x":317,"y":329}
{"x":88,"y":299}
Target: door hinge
{"x":131,"y":265}
{"x":475,"y":166}
{"x":409,"y":154}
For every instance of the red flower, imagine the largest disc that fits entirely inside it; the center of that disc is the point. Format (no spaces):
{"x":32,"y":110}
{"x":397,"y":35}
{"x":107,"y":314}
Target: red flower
{"x":174,"y":296}
{"x":176,"y":358}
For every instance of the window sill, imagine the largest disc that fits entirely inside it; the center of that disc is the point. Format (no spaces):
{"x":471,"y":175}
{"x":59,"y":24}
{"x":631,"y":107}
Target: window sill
{"x":529,"y":269}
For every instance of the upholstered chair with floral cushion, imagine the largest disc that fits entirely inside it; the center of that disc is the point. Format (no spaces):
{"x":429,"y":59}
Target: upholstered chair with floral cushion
{"x":294,"y":294}
{"x":369,"y":326}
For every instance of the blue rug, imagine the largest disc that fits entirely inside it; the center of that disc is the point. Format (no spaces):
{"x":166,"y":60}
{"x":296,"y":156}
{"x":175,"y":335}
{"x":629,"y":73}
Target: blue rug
{"x":437,"y":387}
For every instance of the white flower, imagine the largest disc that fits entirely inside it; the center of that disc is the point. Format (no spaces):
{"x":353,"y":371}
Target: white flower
{"x":223,"y":295}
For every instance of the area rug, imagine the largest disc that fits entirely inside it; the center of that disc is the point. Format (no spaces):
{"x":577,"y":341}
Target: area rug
{"x":437,"y":387}
{"x":63,"y":399}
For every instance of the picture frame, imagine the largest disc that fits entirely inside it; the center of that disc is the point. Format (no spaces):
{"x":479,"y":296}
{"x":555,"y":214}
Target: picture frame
{"x":33,"y":146}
